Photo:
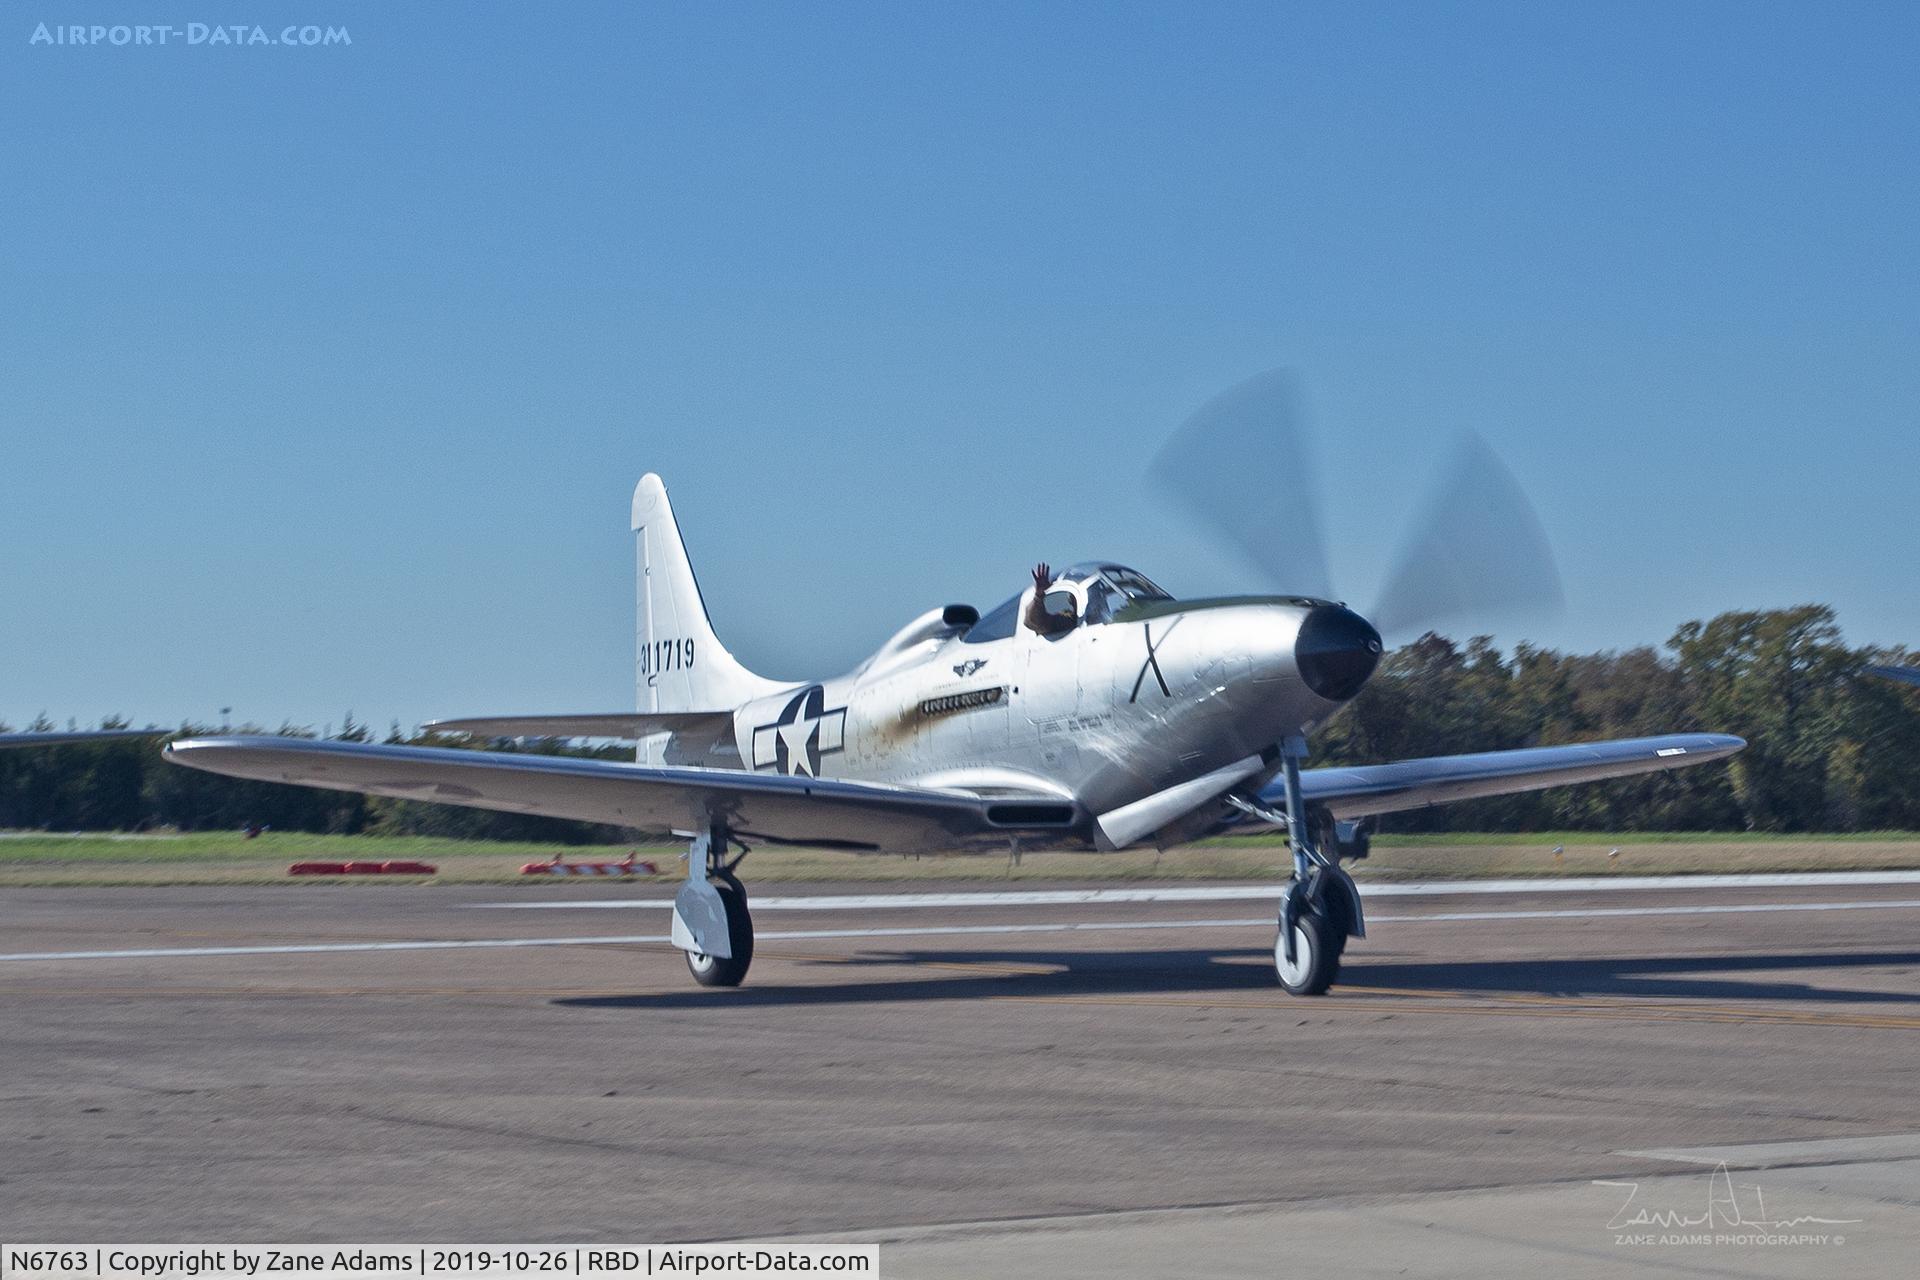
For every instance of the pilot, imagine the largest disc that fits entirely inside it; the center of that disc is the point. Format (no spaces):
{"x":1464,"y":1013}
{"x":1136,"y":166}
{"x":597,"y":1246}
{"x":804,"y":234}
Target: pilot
{"x":1037,"y":618}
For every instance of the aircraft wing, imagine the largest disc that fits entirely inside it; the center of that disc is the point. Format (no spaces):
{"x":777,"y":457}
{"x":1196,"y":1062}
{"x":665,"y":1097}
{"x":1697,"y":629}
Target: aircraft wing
{"x":77,"y":735}
{"x":867,"y":815}
{"x":1905,"y":675}
{"x":662,"y":798}
{"x":617,"y":724}
{"x":1356,"y":791}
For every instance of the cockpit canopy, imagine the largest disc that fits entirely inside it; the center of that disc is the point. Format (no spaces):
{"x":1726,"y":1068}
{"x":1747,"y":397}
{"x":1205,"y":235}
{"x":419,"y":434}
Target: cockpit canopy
{"x":1098,"y":590}
{"x":1108,"y":588}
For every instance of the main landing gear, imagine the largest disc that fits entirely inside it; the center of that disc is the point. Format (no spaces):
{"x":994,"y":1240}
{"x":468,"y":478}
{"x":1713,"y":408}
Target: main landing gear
{"x":711,"y":922}
{"x":1320,"y":908}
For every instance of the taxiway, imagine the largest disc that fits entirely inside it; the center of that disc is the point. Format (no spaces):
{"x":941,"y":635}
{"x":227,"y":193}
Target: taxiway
{"x":967,"y":1076}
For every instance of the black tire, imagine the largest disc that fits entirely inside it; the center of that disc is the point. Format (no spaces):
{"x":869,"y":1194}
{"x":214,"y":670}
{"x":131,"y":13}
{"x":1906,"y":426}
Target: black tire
{"x":712,"y":971}
{"x":1316,"y":958}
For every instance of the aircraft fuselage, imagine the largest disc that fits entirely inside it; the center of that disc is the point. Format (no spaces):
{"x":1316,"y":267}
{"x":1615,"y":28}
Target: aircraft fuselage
{"x":1104,"y":715}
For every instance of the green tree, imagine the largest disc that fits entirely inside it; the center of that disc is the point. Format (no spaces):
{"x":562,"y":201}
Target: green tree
{"x":1782,"y":680}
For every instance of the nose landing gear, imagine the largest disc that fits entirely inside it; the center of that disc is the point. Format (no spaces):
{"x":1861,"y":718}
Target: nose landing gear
{"x":1320,"y":909}
{"x":1317,"y":916}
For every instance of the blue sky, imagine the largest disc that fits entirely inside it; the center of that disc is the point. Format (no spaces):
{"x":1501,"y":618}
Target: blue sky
{"x":326,"y":373}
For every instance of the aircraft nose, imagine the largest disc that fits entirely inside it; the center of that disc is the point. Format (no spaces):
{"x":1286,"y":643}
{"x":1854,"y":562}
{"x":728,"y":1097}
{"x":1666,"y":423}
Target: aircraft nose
{"x":1336,"y":651}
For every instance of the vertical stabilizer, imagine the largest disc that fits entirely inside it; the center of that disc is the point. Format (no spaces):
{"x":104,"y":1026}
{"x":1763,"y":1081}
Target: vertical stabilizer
{"x":681,"y":664}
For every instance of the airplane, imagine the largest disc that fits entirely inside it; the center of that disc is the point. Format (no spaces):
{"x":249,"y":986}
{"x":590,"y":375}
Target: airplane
{"x":1103,"y":715}
{"x":1901,"y":675}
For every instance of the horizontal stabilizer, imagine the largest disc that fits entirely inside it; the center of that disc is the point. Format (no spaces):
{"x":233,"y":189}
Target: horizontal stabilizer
{"x":618,"y":724}
{"x":1905,"y":675}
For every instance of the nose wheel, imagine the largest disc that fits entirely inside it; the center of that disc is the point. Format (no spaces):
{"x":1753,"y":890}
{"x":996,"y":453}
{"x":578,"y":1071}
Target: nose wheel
{"x":1315,"y":961}
{"x":1320,"y":909}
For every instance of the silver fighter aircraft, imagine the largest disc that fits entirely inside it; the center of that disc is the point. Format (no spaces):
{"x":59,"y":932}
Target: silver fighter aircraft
{"x":1124,"y":718}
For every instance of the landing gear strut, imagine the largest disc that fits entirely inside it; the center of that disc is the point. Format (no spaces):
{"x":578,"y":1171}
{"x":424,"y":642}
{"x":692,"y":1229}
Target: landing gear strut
{"x":711,"y":922}
{"x":1320,"y":909}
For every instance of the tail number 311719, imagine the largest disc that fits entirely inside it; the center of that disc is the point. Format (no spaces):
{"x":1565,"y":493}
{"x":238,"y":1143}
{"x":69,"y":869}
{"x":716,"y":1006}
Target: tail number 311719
{"x":666,"y":655}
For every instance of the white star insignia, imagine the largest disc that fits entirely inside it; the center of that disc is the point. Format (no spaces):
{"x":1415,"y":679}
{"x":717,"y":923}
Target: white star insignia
{"x":797,"y":737}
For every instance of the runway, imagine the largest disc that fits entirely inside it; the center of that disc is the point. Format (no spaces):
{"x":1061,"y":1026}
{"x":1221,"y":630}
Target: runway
{"x":1064,"y":1077}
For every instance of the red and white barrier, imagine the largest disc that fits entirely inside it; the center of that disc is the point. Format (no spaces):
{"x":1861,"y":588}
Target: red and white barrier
{"x":396,"y":868}
{"x":629,"y":866}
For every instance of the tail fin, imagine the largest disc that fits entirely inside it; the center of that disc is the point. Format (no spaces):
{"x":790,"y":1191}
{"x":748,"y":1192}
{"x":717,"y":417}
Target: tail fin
{"x":682,"y":666}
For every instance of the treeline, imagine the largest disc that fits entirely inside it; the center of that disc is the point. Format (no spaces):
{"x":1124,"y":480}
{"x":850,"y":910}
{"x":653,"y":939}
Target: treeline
{"x":126,"y":785}
{"x":1829,"y":749}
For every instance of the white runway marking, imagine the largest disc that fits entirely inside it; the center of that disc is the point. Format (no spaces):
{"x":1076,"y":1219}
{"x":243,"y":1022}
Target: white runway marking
{"x":1231,"y":892}
{"x":1903,"y":1147}
{"x":929,"y":931}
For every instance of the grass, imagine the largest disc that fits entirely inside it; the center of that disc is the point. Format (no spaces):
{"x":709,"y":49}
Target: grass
{"x":1551,"y":838}
{"x":230,"y":858}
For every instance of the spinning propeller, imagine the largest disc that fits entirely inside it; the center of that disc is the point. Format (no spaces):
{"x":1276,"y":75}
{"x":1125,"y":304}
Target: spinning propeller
{"x":1475,"y":549}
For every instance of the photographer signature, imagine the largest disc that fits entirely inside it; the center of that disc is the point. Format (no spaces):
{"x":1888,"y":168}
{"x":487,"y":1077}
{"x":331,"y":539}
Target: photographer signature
{"x":1723,"y":1209}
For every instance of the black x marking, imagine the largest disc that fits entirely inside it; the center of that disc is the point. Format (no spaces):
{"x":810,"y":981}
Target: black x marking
{"x":1153,"y":662}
